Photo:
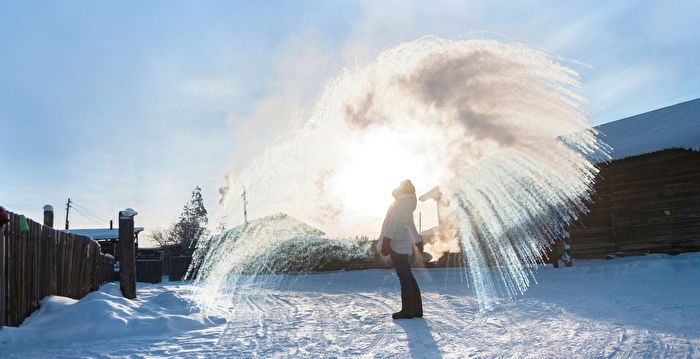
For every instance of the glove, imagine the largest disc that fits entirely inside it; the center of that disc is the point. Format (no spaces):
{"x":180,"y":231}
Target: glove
{"x":386,"y":248}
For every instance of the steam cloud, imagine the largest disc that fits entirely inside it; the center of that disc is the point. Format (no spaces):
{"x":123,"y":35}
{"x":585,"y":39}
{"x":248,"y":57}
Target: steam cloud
{"x":500,"y":127}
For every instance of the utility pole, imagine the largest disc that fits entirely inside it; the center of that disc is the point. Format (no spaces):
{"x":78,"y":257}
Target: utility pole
{"x":245,"y":208}
{"x":222,"y":223}
{"x":420,"y":222}
{"x":67,"y":210}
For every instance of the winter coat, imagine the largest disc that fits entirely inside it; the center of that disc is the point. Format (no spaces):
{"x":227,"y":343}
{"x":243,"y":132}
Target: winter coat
{"x":399,"y":225}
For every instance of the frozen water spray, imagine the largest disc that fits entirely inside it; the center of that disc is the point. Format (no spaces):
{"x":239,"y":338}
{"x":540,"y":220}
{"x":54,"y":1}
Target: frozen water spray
{"x":500,"y":127}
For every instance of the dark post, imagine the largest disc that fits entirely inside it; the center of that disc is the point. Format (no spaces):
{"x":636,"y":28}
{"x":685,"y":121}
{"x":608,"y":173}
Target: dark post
{"x":48,"y":215}
{"x":127,"y":260}
{"x":163,"y":262}
{"x":67,"y":211}
{"x":4,"y":284}
{"x":3,"y":274}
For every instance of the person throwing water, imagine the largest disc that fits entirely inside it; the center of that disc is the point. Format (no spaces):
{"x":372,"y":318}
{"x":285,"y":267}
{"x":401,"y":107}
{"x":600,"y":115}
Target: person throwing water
{"x":396,"y":240}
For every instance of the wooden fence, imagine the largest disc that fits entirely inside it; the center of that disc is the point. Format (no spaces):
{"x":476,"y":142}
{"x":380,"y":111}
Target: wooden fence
{"x":177,"y":267}
{"x":40,"y":261}
{"x":148,"y":270}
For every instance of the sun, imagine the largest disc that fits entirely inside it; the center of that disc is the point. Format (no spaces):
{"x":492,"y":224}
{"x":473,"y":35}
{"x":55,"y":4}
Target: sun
{"x":374,"y":168}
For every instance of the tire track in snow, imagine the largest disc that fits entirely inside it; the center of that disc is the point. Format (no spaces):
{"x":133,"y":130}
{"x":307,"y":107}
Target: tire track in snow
{"x":314,"y":323}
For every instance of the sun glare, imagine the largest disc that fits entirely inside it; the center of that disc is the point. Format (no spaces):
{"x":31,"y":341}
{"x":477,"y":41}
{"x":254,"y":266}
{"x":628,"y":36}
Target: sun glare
{"x":374,"y":168}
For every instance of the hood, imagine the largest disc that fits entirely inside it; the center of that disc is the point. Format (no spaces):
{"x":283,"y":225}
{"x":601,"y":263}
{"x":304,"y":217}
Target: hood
{"x":406,"y":199}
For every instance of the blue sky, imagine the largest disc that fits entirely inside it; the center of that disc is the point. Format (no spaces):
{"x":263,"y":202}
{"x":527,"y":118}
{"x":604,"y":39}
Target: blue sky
{"x":133,"y":103}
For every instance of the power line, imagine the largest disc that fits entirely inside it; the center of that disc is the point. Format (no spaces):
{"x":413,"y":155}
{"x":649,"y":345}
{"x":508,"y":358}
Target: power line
{"x":92,"y":213}
{"x":90,"y":217}
{"x":86,"y":215}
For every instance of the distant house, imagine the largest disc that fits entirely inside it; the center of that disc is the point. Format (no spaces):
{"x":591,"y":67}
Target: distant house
{"x":108,"y":238}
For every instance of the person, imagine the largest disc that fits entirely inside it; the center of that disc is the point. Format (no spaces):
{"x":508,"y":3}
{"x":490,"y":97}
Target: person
{"x":4,"y":216}
{"x":396,"y":240}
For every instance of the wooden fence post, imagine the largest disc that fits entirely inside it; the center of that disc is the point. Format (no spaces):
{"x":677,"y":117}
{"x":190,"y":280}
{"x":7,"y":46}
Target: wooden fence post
{"x":127,"y":260}
{"x":48,"y":215}
{"x":3,"y":277}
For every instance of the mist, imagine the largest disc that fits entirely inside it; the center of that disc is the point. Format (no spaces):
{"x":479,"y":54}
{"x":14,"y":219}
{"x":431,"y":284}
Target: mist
{"x":427,"y":110}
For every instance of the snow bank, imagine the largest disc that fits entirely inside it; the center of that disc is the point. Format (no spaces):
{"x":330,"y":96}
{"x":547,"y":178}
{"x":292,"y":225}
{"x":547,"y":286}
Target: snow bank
{"x":106,"y":315}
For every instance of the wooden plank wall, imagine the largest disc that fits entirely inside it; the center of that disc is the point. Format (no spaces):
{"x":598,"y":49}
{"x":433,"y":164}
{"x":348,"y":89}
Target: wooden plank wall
{"x":149,"y":270}
{"x":44,"y":261}
{"x":177,"y":267}
{"x":646,"y":203}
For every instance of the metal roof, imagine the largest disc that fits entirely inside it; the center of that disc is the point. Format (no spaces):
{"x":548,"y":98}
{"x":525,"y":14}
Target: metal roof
{"x":100,"y":233}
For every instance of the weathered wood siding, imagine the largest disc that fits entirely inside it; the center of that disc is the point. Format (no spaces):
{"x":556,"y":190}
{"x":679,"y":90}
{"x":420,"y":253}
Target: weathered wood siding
{"x":177,"y":267}
{"x":646,"y":203}
{"x":148,"y":271}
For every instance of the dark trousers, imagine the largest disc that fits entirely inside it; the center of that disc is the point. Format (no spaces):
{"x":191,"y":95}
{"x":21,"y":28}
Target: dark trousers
{"x":410,"y":293}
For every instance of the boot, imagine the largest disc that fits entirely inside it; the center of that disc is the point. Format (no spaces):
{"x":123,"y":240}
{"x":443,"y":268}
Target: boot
{"x":406,"y":306}
{"x":417,"y":304}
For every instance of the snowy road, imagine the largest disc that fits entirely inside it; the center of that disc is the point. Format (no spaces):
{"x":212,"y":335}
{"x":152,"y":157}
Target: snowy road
{"x":623,"y":308}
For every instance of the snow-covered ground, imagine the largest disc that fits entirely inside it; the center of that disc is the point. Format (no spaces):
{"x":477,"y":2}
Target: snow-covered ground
{"x":626,"y":307}
{"x":672,"y":126}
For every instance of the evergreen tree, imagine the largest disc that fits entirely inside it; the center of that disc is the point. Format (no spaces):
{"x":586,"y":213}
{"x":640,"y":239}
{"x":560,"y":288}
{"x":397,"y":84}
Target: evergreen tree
{"x":182,"y":236}
{"x":193,"y":221}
